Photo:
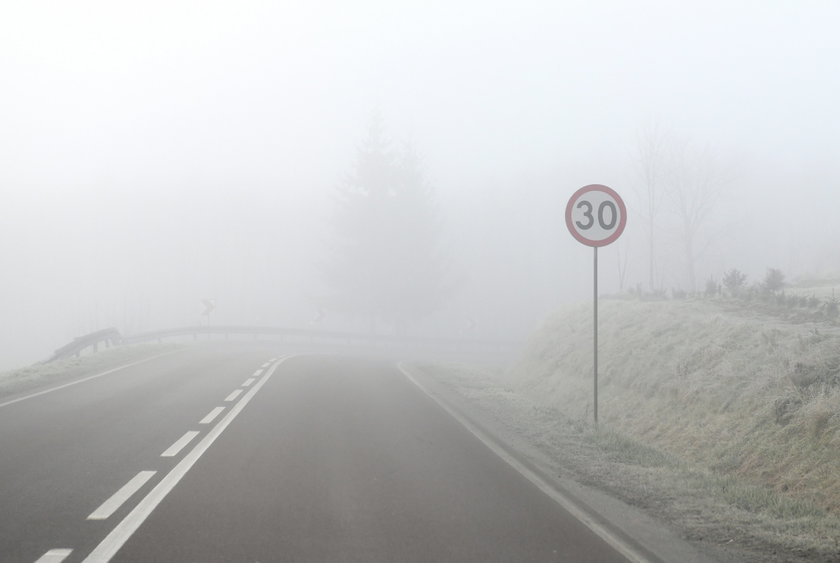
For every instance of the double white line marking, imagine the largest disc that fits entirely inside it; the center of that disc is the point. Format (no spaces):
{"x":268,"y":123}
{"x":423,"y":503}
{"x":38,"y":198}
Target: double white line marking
{"x":112,"y":543}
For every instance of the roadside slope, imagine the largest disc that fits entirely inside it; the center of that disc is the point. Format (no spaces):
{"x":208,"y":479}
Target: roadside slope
{"x":720,"y":425}
{"x":37,"y":376}
{"x":740,"y":396}
{"x":720,"y":420}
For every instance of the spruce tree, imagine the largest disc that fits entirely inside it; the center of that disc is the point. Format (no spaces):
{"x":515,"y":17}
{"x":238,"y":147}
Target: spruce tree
{"x":386,"y":263}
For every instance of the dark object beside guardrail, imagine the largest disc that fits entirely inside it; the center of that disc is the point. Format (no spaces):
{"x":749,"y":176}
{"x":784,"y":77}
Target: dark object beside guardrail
{"x":108,"y":336}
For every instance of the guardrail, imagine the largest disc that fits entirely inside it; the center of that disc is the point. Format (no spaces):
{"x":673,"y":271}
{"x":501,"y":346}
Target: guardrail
{"x":112,"y":336}
{"x":314,"y":335}
{"x":108,"y":336}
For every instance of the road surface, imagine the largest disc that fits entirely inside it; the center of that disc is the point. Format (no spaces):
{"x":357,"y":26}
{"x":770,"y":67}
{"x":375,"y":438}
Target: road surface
{"x":240,"y":454}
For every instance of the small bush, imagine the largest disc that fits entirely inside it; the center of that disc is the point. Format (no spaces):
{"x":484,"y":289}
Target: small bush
{"x":734,"y":281}
{"x":712,"y":287}
{"x":774,"y":280}
{"x":832,"y":307}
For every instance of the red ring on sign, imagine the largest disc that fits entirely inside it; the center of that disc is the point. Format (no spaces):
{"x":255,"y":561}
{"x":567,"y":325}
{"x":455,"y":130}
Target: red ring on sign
{"x":621,"y":207}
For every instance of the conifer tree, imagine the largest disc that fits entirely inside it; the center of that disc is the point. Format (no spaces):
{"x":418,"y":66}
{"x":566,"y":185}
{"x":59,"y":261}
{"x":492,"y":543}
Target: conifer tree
{"x":386,"y":263}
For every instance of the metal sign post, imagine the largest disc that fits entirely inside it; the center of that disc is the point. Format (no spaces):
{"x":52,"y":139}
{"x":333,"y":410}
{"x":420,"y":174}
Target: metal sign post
{"x":595,"y":335}
{"x":596,"y":216}
{"x":209,"y":307}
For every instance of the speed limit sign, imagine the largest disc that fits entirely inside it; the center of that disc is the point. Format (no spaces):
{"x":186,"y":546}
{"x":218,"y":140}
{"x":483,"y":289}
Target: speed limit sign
{"x":595,"y":215}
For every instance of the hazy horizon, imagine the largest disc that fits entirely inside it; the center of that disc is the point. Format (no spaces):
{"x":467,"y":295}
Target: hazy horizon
{"x":162,"y":153}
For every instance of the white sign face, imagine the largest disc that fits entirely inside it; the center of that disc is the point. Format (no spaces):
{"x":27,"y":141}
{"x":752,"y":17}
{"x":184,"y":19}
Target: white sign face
{"x":596,"y":215}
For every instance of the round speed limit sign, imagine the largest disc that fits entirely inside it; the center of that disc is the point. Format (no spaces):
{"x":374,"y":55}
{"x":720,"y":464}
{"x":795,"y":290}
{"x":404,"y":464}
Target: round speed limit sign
{"x":596,"y":215}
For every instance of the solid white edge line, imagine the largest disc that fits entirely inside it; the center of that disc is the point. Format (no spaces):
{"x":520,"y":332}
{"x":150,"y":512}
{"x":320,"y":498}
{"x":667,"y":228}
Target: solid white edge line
{"x":118,"y":499}
{"x":248,"y":382}
{"x":211,"y":416}
{"x":55,"y":556}
{"x":176,"y":448}
{"x":233,"y":395}
{"x":88,"y":378}
{"x":570,"y":506}
{"x":112,"y":543}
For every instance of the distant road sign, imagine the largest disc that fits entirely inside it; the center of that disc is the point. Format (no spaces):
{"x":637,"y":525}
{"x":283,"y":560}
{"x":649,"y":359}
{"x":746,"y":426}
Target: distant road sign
{"x":596,"y":215}
{"x":209,"y":306}
{"x":319,"y":316}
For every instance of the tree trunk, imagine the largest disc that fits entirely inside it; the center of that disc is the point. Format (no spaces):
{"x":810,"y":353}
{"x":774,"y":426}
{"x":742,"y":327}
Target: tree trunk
{"x":689,"y":258}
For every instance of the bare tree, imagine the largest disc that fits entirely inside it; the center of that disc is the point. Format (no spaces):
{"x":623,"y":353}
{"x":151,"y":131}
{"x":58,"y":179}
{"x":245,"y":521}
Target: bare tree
{"x":694,"y":185}
{"x":651,"y":161}
{"x":623,"y":254}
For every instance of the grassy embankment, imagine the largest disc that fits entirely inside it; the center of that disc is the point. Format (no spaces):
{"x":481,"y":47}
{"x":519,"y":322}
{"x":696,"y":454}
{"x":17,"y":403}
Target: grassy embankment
{"x":38,"y":375}
{"x":746,"y":405}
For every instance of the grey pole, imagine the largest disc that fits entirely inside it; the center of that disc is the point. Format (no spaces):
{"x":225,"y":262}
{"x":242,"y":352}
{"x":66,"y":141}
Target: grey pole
{"x":595,"y":327}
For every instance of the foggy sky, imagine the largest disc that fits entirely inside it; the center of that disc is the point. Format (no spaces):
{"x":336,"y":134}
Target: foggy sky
{"x":158,"y":153}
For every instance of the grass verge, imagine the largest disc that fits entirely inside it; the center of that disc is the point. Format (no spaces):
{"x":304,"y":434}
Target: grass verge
{"x":36,"y":376}
{"x":725,"y":426}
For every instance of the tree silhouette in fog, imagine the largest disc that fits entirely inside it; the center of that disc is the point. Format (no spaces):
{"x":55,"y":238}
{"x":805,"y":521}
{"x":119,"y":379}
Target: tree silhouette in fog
{"x":386,"y":263}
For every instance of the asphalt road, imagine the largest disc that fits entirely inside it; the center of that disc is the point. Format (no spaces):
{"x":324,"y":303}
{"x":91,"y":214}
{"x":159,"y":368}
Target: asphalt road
{"x":307,"y":458}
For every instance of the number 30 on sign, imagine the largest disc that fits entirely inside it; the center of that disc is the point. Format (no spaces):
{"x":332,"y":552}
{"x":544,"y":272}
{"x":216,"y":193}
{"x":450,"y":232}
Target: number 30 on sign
{"x":596,"y":215}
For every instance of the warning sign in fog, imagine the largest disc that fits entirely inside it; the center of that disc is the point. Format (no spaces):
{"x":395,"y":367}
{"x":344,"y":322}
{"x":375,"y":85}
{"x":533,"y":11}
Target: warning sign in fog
{"x":596,"y":215}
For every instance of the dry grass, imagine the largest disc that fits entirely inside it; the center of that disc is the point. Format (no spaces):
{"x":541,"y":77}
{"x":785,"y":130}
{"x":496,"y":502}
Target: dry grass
{"x":724,"y":425}
{"x":750,"y":410}
{"x":37,"y":375}
{"x":728,"y":516}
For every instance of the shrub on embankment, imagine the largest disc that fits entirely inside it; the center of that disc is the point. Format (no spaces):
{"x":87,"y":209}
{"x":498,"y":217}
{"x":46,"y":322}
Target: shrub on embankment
{"x":740,"y":397}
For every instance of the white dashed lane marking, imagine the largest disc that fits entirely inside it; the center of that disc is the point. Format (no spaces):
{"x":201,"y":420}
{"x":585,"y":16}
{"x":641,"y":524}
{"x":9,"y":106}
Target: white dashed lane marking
{"x":115,"y":502}
{"x":211,"y":416}
{"x":55,"y":556}
{"x":175,"y":448}
{"x":112,"y":543}
{"x":233,"y":396}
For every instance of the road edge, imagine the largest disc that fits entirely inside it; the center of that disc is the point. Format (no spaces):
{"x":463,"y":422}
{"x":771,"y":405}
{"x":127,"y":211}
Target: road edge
{"x":86,"y":378}
{"x":647,"y":549}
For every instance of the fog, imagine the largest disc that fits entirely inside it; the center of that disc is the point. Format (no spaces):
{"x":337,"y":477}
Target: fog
{"x":156,"y":154}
